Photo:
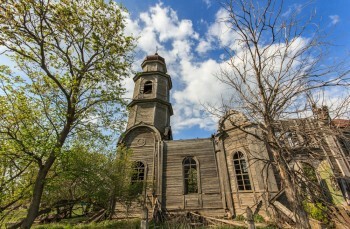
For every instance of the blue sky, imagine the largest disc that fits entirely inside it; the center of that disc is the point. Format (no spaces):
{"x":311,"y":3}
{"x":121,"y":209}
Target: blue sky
{"x":191,"y":38}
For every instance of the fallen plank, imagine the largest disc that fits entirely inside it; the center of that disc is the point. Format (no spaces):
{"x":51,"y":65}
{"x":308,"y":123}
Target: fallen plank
{"x":230,"y":222}
{"x":219,"y":220}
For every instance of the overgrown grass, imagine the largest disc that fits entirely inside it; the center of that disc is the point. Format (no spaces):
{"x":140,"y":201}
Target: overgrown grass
{"x":133,"y":224}
{"x":12,"y":216}
{"x":243,"y":227}
{"x":130,"y":224}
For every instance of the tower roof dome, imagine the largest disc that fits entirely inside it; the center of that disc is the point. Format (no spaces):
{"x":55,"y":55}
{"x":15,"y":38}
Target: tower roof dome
{"x":154,"y":57}
{"x":155,"y":63}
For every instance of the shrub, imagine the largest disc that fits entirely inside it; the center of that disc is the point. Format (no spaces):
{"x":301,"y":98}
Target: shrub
{"x":316,"y":211}
{"x":259,"y":219}
{"x":240,"y":218}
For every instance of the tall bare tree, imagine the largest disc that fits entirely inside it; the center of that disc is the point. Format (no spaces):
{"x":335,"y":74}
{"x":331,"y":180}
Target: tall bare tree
{"x":277,"y":59}
{"x":72,"y":57}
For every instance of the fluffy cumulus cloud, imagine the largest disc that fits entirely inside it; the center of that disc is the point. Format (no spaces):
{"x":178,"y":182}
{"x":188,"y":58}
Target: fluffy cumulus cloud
{"x":219,"y":35}
{"x":193,"y":78}
{"x":188,"y":60}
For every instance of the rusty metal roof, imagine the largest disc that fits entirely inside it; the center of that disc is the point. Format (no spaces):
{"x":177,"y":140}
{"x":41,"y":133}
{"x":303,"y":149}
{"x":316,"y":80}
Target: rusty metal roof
{"x":154,"y":57}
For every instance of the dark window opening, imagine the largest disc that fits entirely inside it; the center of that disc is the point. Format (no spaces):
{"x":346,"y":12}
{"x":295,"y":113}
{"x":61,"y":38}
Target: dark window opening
{"x":343,"y":146}
{"x":139,"y":172}
{"x":190,"y":175}
{"x":147,"y":88}
{"x":241,"y":170}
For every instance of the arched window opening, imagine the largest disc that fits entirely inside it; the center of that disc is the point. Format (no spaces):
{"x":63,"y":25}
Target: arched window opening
{"x":139,"y":172}
{"x":147,"y":88}
{"x":190,"y":175}
{"x":241,"y":170}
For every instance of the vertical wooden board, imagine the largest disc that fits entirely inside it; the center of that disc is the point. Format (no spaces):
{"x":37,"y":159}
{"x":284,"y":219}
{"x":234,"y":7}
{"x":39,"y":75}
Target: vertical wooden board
{"x":145,"y":113}
{"x":211,"y":201}
{"x":203,"y":151}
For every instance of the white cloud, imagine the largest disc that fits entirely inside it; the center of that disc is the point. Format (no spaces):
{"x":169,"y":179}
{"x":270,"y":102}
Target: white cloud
{"x":164,"y":21}
{"x":294,"y":8}
{"x":334,"y":19}
{"x":192,"y":73}
{"x":203,"y":46}
{"x":207,"y":2}
{"x":218,"y":35}
{"x":176,"y":40}
{"x":201,"y":87}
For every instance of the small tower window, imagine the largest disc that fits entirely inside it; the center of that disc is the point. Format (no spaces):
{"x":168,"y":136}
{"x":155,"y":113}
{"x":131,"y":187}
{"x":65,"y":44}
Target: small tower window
{"x":190,"y":175}
{"x":139,"y":172}
{"x":147,"y":88}
{"x":241,"y":170}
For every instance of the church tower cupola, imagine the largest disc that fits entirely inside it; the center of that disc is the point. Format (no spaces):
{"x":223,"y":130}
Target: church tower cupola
{"x":150,"y":103}
{"x":154,"y":63}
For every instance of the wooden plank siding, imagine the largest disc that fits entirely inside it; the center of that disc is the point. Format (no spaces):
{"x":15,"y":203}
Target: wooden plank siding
{"x":209,"y":193}
{"x":254,"y":153}
{"x":143,"y":143}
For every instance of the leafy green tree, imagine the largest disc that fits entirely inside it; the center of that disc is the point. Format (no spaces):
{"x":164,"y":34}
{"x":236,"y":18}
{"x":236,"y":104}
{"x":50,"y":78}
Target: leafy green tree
{"x":84,"y":176}
{"x":120,"y":173}
{"x":71,"y":57}
{"x":192,"y":181}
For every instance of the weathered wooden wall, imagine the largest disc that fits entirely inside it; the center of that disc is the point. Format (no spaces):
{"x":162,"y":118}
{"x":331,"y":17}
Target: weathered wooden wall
{"x":208,"y":197}
{"x":261,"y":176}
{"x":144,"y":144}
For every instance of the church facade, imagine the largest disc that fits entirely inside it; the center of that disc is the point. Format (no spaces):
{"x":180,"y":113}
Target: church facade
{"x":222,"y":174}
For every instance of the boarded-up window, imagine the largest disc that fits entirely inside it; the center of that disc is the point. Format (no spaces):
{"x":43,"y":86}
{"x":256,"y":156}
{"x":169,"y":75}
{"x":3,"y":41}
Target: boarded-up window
{"x":190,"y":175}
{"x":147,"y":88}
{"x":241,"y":169}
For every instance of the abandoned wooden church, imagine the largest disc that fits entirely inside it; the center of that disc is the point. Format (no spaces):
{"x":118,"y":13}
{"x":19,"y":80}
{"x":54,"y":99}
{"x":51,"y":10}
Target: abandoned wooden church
{"x":221,"y":174}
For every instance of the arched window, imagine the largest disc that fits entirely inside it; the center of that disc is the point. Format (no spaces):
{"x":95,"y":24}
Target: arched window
{"x":147,"y":87}
{"x":241,"y":169}
{"x":139,"y":172}
{"x":190,"y":175}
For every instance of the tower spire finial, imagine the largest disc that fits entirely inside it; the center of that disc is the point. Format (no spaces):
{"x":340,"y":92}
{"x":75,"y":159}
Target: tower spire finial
{"x":156,"y":50}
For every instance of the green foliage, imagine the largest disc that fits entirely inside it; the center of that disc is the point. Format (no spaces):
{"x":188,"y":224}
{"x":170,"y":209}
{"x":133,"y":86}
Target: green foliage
{"x":316,"y":211}
{"x":240,"y":218}
{"x":258,"y":218}
{"x":309,"y":173}
{"x":89,"y":177}
{"x":71,"y":58}
{"x":192,"y":185}
{"x":132,"y":224}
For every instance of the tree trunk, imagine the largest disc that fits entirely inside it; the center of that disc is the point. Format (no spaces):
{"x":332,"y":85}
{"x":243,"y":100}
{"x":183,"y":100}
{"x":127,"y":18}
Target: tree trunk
{"x":292,"y":196}
{"x":70,"y":212}
{"x":111,"y":204}
{"x":37,"y":193}
{"x":42,"y":173}
{"x":290,"y":188}
{"x":87,"y":208}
